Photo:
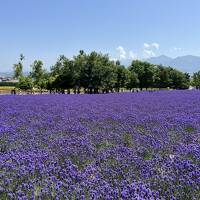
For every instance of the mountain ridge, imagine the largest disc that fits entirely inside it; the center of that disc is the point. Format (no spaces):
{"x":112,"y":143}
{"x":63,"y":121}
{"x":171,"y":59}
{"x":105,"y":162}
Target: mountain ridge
{"x":186,"y":63}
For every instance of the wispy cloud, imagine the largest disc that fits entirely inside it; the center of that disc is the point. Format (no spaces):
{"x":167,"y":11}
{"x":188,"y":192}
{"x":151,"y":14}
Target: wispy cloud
{"x":121,"y":52}
{"x":153,"y":45}
{"x":146,"y":45}
{"x":149,"y":49}
{"x":125,"y":54}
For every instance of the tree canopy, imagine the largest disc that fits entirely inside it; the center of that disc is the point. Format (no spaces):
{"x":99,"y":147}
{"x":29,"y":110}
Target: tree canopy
{"x":96,"y":72}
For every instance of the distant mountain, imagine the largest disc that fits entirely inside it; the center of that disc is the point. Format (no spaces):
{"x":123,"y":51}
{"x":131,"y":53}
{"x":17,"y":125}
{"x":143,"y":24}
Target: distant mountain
{"x":187,"y":63}
{"x":160,"y":60}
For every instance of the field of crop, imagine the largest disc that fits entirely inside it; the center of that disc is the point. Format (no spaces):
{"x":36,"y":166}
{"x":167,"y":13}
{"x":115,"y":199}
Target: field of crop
{"x":112,"y":146}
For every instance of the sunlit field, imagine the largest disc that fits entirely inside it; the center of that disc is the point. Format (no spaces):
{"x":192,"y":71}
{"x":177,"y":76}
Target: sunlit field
{"x":142,"y":145}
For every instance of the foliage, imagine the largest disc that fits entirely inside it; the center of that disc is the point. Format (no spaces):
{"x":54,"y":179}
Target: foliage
{"x":131,"y":80}
{"x":25,"y":83}
{"x":196,"y":80}
{"x":95,"y":72}
{"x":38,"y":74}
{"x":18,"y":68}
{"x":145,"y":73}
{"x":9,"y":84}
{"x":120,"y":76}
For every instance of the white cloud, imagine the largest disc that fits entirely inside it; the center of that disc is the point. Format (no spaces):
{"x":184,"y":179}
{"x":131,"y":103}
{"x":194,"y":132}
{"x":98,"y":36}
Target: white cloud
{"x":149,"y":53}
{"x":148,"y":49}
{"x":122,"y":52}
{"x":132,"y":55}
{"x":155,"y":45}
{"x":146,"y":45}
{"x":152,"y":45}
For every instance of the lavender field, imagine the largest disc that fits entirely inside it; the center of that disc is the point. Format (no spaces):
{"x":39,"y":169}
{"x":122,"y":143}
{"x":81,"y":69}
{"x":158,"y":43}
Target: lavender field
{"x":112,"y":146}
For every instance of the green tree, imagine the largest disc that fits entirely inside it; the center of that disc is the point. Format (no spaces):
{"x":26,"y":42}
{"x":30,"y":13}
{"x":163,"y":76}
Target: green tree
{"x":187,"y":81}
{"x":25,"y":83}
{"x":56,"y":69}
{"x":80,"y":62}
{"x":162,"y":77}
{"x":64,"y":73}
{"x":179,"y":80}
{"x":96,"y":72}
{"x":120,"y":76}
{"x":196,"y":80}
{"x":131,"y":80}
{"x":67,"y":76}
{"x":39,"y":75}
{"x":145,"y":73}
{"x":18,"y":68}
{"x":86,"y":71}
{"x":108,"y":76}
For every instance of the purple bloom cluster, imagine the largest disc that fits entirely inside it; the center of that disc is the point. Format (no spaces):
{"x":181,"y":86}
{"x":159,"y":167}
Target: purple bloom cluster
{"x":114,"y":146}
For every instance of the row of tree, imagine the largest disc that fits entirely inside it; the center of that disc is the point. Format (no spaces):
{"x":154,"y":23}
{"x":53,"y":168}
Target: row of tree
{"x":95,"y":72}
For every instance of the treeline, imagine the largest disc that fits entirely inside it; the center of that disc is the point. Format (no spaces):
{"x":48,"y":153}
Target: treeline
{"x":95,"y":73}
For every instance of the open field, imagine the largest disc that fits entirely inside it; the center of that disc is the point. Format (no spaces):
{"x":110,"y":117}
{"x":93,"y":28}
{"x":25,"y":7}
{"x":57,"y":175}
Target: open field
{"x":112,"y":146}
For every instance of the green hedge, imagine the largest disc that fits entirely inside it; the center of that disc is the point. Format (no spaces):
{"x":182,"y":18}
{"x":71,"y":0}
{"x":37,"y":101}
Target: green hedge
{"x":10,"y":84}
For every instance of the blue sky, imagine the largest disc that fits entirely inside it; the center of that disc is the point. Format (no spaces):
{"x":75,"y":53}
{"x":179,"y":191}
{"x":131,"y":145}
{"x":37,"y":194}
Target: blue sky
{"x":126,"y":29}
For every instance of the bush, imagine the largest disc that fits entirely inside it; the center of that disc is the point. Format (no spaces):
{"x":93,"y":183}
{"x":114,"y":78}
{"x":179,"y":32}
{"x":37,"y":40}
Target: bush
{"x":9,"y":84}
